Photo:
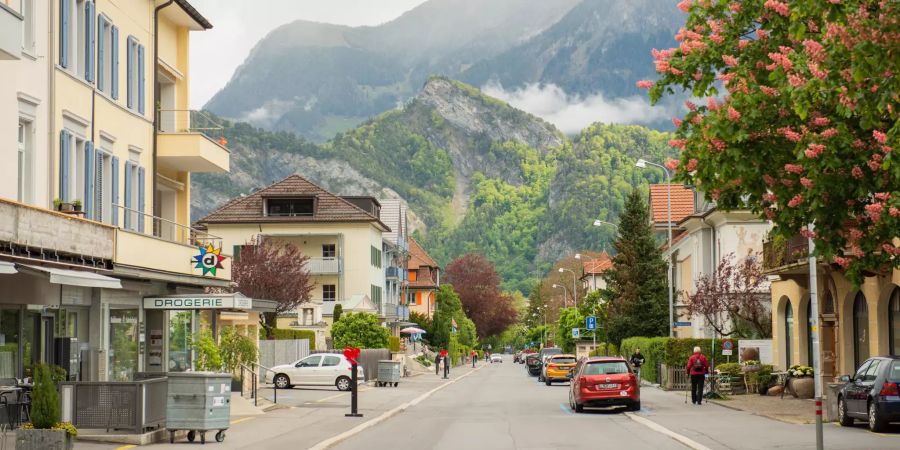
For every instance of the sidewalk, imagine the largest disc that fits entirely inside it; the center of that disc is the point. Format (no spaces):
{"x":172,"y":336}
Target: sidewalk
{"x":318,"y":412}
{"x":790,"y":409}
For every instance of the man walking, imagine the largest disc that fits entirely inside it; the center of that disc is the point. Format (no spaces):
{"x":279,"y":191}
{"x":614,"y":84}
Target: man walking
{"x":697,"y":368}
{"x":474,"y":357}
{"x":445,"y":356}
{"x":437,"y":363}
{"x":637,"y":360}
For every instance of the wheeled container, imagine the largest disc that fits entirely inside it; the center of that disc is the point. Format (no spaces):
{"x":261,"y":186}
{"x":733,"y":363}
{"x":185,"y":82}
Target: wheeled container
{"x":388,"y":373}
{"x":198,"y":402}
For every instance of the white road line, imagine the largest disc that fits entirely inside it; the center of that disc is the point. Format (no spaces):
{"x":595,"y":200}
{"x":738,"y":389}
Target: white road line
{"x":663,"y":430}
{"x":384,"y":416}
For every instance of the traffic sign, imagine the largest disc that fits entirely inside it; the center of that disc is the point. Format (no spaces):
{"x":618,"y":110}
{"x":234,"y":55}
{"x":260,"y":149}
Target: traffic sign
{"x":727,"y":344}
{"x":590,"y":322}
{"x":682,"y":324}
{"x":576,"y":333}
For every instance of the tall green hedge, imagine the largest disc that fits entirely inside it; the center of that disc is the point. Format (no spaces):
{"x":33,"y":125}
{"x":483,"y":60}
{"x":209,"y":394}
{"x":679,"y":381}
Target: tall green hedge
{"x":604,"y":349}
{"x":394,"y":344}
{"x":673,"y":352}
{"x":653,"y":350}
{"x":281,"y":334}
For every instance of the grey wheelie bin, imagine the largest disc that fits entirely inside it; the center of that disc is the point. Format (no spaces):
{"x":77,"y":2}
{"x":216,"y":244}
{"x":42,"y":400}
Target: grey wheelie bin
{"x":388,"y":373}
{"x":198,"y":402}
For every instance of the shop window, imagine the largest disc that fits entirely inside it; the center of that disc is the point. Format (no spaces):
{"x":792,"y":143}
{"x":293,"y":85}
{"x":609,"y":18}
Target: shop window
{"x":788,"y":334}
{"x":179,"y":341}
{"x":860,"y":329}
{"x":894,"y":321}
{"x":9,"y":343}
{"x":123,"y":344}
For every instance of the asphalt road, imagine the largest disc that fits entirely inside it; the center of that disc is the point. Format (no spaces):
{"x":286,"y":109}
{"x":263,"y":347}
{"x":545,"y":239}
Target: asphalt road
{"x":501,"y":407}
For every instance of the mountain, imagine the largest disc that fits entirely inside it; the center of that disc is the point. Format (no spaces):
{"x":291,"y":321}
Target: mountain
{"x":319,"y":79}
{"x":477,"y":174}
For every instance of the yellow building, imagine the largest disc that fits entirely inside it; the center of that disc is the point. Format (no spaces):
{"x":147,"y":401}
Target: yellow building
{"x":424,"y":280}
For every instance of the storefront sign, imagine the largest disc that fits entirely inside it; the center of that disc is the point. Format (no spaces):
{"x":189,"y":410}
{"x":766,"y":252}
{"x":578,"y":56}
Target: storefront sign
{"x":209,"y":260}
{"x":198,"y":302}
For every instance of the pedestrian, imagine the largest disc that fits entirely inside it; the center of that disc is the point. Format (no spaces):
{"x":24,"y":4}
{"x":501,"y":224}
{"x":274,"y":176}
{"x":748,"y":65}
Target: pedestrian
{"x":445,"y":356}
{"x":697,"y":368}
{"x":637,"y":360}
{"x":474,"y":357}
{"x":437,"y":363}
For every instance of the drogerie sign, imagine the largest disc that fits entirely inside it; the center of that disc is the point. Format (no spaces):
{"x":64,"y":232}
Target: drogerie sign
{"x":198,"y":302}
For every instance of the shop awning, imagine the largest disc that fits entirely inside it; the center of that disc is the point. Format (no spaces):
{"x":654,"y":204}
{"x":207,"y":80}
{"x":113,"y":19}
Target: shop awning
{"x":7,"y":268}
{"x":71,"y":277}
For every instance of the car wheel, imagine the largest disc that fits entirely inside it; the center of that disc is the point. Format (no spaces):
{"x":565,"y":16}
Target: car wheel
{"x":843,"y":418}
{"x":282,"y":381}
{"x":342,"y":383}
{"x":876,"y":423}
{"x":636,"y":406}
{"x":578,"y":407}
{"x":547,"y":381}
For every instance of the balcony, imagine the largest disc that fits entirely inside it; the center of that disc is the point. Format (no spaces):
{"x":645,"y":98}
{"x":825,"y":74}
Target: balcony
{"x":780,"y":252}
{"x":10,"y":31}
{"x":392,"y":273}
{"x":323,"y":266}
{"x":190,"y":141}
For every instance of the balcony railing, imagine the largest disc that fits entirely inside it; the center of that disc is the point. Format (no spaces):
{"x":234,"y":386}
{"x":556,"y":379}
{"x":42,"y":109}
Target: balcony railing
{"x":134,"y":220}
{"x":189,"y":121}
{"x":392,"y":273}
{"x":323,"y":266}
{"x":780,"y":252}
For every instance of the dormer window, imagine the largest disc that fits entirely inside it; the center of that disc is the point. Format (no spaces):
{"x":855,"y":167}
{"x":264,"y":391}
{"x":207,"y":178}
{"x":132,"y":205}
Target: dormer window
{"x":291,"y":207}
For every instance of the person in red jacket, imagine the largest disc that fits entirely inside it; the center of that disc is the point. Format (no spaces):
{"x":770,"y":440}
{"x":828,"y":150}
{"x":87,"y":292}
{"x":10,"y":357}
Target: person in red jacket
{"x":697,"y":368}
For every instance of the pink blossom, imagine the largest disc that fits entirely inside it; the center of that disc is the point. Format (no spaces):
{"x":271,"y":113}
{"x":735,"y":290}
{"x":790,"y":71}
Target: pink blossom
{"x":814,"y":150}
{"x":685,"y":5}
{"x":874,"y":163}
{"x":815,"y":50}
{"x":711,"y":104}
{"x":843,"y":262}
{"x":806,"y":182}
{"x":730,"y":60}
{"x":698,"y":75}
{"x":770,"y":197}
{"x":762,"y":34}
{"x":894,"y":212}
{"x":879,"y":136}
{"x":645,"y":84}
{"x":805,"y":232}
{"x":770,"y":91}
{"x":790,"y":134}
{"x":816,"y":72}
{"x":690,"y":105}
{"x":676,"y":121}
{"x":829,"y":133}
{"x":717,"y":38}
{"x":735,"y":7}
{"x":891,"y":249}
{"x":718,"y":144}
{"x":794,"y":168}
{"x":821,"y":121}
{"x":882,"y":196}
{"x":858,"y":144}
{"x":662,"y":66}
{"x":886,"y":149}
{"x":697,"y":119}
{"x":834,"y":2}
{"x":796,"y":80}
{"x":797,"y":200}
{"x":678,"y":143}
{"x":743,"y":43}
{"x":856,"y":172}
{"x":778,"y":7}
{"x":768,"y":180}
{"x":733,"y":114}
{"x":672,"y":164}
{"x":874,"y":211}
{"x":855,"y":234}
{"x":691,"y":165}
{"x":770,"y":214}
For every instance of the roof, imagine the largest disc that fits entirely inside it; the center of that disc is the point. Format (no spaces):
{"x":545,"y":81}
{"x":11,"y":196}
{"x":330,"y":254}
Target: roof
{"x":682,"y":202}
{"x":599,"y":265}
{"x":418,"y":257}
{"x":423,"y":283}
{"x":329,"y":207}
{"x":191,"y":11}
{"x":676,"y":237}
{"x":393,"y":214}
{"x":356,"y":303}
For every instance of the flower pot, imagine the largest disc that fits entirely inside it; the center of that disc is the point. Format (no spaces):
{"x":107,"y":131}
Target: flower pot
{"x":43,"y":440}
{"x":66,"y":207}
{"x":804,"y":387}
{"x":77,"y":208}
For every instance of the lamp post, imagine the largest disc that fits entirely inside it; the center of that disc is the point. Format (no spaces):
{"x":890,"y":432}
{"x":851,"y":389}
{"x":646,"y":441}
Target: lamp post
{"x":574,"y":284}
{"x":543,"y":310}
{"x":565,"y":293}
{"x":642,"y":163}
{"x":600,"y":223}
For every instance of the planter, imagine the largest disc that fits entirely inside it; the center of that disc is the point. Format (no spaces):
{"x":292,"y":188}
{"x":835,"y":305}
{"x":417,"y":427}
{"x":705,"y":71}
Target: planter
{"x":43,"y":440}
{"x":753,"y":368}
{"x":66,"y":207}
{"x":804,"y":387}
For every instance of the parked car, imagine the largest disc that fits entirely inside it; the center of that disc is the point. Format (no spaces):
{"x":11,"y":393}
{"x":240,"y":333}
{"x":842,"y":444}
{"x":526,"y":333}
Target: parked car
{"x":533,"y":364}
{"x":321,"y":369}
{"x":599,"y":381}
{"x":544,"y":354}
{"x":557,"y":368}
{"x":872,"y":394}
{"x":496,"y":358}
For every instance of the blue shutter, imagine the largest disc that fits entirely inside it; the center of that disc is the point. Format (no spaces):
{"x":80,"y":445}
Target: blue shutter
{"x":98,"y":187}
{"x":64,"y":165}
{"x":89,"y":180}
{"x":129,"y":72}
{"x":140,"y":80}
{"x":141,"y":199}
{"x":101,"y":52}
{"x":129,"y":188}
{"x":114,"y":61}
{"x":114,"y":189}
{"x":89,"y":41}
{"x":64,"y":17}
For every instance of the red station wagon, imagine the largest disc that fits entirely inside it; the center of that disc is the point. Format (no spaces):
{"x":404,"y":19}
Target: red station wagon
{"x":601,"y":381}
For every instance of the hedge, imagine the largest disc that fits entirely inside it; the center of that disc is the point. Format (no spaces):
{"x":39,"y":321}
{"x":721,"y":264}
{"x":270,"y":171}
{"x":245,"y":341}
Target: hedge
{"x":673,"y":352}
{"x":653,"y":350}
{"x":281,"y":334}
{"x":601,"y":350}
{"x":394,"y":344}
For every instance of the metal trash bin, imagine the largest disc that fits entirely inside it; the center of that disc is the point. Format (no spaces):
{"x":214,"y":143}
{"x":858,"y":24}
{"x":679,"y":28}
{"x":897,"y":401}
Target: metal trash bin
{"x":198,"y":402}
{"x":388,"y":373}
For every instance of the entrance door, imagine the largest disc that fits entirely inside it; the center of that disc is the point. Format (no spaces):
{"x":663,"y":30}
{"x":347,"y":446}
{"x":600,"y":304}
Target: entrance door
{"x":829,"y":355}
{"x":123,"y":344}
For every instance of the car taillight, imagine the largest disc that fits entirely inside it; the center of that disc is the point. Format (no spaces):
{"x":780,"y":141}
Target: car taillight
{"x":551,"y":366}
{"x":890,"y":389}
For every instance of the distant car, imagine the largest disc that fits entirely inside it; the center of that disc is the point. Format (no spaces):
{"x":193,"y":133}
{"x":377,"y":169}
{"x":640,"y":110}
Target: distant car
{"x":321,"y":369}
{"x":496,"y":357}
{"x":872,"y":394}
{"x":600,"y":381}
{"x":533,"y":364}
{"x":557,"y":368}
{"x":544,"y":354}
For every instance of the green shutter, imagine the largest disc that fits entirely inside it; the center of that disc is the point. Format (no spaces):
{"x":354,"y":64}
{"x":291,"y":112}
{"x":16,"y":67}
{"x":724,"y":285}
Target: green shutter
{"x":236,"y":253}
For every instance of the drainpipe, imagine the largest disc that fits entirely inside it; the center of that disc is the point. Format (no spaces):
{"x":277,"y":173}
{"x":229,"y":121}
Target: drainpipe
{"x":156,"y":97}
{"x":51,"y":74}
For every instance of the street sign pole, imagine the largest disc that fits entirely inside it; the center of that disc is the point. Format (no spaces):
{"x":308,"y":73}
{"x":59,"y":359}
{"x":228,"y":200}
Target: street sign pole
{"x":814,"y":318}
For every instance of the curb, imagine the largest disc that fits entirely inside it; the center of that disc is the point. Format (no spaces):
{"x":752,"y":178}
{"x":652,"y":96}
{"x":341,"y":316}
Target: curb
{"x":667,"y":432}
{"x":334,"y":440}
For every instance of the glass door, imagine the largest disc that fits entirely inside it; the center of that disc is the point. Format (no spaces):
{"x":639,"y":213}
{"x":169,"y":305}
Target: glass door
{"x":9,"y":342}
{"x":180,"y":336}
{"x":123,"y":344}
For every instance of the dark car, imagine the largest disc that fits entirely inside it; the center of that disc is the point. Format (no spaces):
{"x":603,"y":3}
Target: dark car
{"x":533,"y":363}
{"x":545,"y":353}
{"x":600,"y":381}
{"x":872,"y":394}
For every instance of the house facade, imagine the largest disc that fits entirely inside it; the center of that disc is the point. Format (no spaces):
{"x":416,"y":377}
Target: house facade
{"x":96,"y":254}
{"x":396,"y":257}
{"x":593,"y":271}
{"x":424,"y":280}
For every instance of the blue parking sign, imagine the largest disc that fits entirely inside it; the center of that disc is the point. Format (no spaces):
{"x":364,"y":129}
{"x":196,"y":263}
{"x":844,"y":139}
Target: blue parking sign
{"x":590,"y":322}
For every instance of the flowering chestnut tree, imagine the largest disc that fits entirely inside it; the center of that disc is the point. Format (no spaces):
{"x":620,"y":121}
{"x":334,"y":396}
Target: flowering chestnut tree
{"x":800,"y":117}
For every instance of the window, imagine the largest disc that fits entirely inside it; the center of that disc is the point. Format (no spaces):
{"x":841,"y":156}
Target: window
{"x":134,"y":196}
{"x":329,"y":292}
{"x":331,"y":361}
{"x":290,"y":206}
{"x":376,"y":295}
{"x":72,"y":154}
{"x":107,"y":60}
{"x":860,"y":329}
{"x":788,"y":334}
{"x":77,"y":37}
{"x":25,"y":180}
{"x":894,"y":321}
{"x":606,"y":368}
{"x":376,"y":257}
{"x":872,"y":371}
{"x":412,"y":275}
{"x":103,"y":185}
{"x":328,"y":251}
{"x":28,"y":26}
{"x":310,"y":361}
{"x":134,"y":80}
{"x":861,"y":372}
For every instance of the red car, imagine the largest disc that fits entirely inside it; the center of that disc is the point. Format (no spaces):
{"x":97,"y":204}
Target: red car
{"x":600,"y":381}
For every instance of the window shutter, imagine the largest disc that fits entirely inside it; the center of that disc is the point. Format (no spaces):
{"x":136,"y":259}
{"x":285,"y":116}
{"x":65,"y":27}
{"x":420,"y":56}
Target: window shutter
{"x":88,"y":193}
{"x":141,"y":199}
{"x":114,"y":189}
{"x":129,"y":72}
{"x":64,"y":17}
{"x":236,"y":253}
{"x":140,"y":78}
{"x":89,"y":41}
{"x":98,"y":187}
{"x":64,"y":165}
{"x":129,"y":187}
{"x":114,"y":61}
{"x":101,"y":52}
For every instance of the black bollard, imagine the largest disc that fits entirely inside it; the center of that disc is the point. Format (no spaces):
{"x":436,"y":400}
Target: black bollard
{"x":354,"y":380}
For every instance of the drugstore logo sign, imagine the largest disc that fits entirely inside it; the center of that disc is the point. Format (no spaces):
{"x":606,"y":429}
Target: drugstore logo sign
{"x":209,"y":260}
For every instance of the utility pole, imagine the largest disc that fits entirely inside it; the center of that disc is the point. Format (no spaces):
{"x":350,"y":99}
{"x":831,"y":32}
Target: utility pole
{"x":816,"y":336}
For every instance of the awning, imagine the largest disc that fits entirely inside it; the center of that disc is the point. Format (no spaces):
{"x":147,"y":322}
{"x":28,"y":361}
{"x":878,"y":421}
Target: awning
{"x":72,"y":277}
{"x":7,"y":268}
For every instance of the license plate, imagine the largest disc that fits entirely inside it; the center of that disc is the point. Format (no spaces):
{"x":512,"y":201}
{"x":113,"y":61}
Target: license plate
{"x":608,"y":386}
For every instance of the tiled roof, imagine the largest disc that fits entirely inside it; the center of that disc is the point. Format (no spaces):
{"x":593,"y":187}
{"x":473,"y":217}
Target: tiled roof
{"x":676,"y":237}
{"x":423,"y":284}
{"x":682,"y":203}
{"x":418,"y":256}
{"x":329,"y":207}
{"x":599,"y":265}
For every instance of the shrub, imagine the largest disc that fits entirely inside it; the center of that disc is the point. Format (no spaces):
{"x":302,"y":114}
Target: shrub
{"x":602,"y":350}
{"x":653,"y":350}
{"x":732,"y":369}
{"x":394,"y":344}
{"x":208,"y":356}
{"x":236,"y":349}
{"x":361,"y":330}
{"x":423,"y":360}
{"x":44,"y":399}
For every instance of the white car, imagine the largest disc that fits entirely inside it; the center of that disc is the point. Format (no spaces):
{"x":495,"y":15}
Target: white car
{"x":320,"y":369}
{"x":496,"y":357}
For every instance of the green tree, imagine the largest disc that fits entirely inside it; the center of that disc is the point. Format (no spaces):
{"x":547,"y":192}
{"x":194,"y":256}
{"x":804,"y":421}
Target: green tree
{"x":569,"y":318}
{"x":636,"y":284}
{"x":338,"y":310}
{"x":236,"y":349}
{"x":209,"y":358}
{"x":448,"y":307}
{"x":44,"y":399}
{"x":361,"y":330}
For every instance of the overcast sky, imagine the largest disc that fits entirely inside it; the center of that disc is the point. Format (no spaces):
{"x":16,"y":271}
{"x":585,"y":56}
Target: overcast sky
{"x":239,"y":24}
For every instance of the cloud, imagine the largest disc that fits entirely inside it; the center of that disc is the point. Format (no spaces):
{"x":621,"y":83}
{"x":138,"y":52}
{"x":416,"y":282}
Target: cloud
{"x":572,"y":113}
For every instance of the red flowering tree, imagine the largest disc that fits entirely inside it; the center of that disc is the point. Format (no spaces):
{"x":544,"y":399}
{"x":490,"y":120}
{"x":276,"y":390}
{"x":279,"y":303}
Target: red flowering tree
{"x":805,"y":127}
{"x":476,"y":281}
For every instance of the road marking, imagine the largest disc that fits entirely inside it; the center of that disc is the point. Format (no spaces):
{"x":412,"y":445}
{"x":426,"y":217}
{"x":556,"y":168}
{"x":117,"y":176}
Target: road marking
{"x":565,"y":409}
{"x":235,"y":422}
{"x":126,"y":447}
{"x":663,"y":430}
{"x":385,"y":416}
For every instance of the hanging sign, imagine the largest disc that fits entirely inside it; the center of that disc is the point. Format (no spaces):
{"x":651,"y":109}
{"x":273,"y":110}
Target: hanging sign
{"x":209,"y":260}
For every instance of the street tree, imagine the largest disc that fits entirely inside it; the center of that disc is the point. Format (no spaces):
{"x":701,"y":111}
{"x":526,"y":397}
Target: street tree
{"x":569,"y":318}
{"x":636,"y":283}
{"x":447,"y":308}
{"x":362,"y":330}
{"x":805,"y":129}
{"x":734,"y":298}
{"x":476,"y":281}
{"x":272,"y":270}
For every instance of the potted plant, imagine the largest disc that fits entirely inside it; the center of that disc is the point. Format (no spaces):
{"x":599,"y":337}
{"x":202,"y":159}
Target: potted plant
{"x":750,"y":365}
{"x":63,"y":206}
{"x":45,"y":431}
{"x":802,"y":382}
{"x":77,"y":205}
{"x":57,"y":204}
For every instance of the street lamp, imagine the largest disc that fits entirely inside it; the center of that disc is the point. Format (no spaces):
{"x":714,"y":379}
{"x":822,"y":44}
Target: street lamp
{"x":565,"y":293}
{"x":543,"y":310}
{"x":599,"y":223}
{"x":642,"y":163}
{"x":574,"y":281}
